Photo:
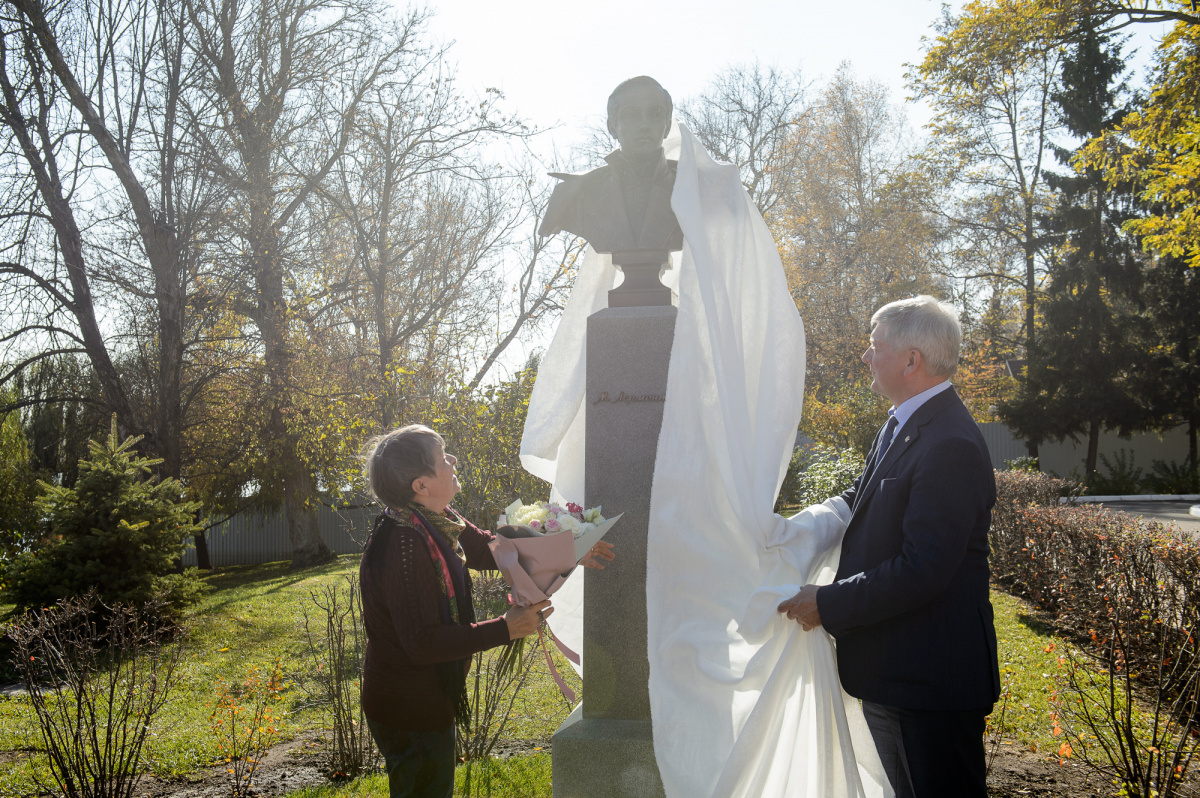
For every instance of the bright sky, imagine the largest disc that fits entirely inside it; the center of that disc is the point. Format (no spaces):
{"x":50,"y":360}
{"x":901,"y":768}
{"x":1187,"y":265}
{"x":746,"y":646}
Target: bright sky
{"x":557,"y":60}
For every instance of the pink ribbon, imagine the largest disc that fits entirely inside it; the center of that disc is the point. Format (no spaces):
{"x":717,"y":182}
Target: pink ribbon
{"x":567,"y":692}
{"x":535,"y":568}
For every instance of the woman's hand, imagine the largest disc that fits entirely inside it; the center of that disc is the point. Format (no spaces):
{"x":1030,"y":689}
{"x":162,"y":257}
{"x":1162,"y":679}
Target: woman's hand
{"x":524,"y":621}
{"x":602,"y":550}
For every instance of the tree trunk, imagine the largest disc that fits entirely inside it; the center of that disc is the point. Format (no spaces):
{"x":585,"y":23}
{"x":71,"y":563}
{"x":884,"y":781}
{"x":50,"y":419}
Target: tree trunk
{"x":202,"y":560}
{"x":1093,"y":452}
{"x":1193,"y":429}
{"x":1030,"y":284}
{"x":299,"y":486}
{"x":387,"y":398}
{"x":307,"y":546}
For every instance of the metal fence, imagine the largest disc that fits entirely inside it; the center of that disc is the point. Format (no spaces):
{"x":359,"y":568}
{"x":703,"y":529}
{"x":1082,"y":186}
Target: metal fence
{"x":1002,"y":446}
{"x":251,"y":538}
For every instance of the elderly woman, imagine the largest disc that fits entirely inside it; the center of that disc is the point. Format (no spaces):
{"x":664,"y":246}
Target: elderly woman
{"x":420,"y":623}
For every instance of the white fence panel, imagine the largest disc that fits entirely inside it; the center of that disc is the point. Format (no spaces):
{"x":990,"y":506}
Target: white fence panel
{"x":1002,"y":446}
{"x":252,"y":538}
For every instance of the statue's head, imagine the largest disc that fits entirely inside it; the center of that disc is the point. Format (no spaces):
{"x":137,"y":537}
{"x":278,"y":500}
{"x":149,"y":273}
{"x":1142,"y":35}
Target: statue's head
{"x":639,"y":115}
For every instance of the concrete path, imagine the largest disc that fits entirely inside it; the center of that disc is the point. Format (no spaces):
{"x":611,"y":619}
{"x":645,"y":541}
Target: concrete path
{"x":1167,"y":512}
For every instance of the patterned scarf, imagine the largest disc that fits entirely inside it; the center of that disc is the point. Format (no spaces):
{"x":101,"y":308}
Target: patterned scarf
{"x":447,"y":526}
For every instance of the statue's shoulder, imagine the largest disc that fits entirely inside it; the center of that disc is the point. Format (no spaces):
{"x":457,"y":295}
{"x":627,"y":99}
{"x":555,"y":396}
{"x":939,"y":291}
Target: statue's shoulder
{"x":569,"y":196}
{"x":582,"y":181}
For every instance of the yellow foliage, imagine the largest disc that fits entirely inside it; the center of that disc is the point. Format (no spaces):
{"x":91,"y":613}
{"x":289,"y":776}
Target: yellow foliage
{"x":1157,"y":149}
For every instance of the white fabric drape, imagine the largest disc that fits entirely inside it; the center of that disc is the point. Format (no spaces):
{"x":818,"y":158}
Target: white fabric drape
{"x":743,"y":702}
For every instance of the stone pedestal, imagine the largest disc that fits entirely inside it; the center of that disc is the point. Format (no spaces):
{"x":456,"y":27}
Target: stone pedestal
{"x":605,"y":748}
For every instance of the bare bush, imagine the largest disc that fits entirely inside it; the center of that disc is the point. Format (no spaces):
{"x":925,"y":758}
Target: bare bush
{"x":96,"y":676}
{"x":496,"y":679}
{"x":1146,"y":739}
{"x":246,"y":724}
{"x":336,"y":644}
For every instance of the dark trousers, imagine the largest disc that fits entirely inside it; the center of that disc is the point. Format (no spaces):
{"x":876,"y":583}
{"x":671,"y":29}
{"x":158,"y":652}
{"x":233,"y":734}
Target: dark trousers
{"x":931,"y":754}
{"x":418,"y":764}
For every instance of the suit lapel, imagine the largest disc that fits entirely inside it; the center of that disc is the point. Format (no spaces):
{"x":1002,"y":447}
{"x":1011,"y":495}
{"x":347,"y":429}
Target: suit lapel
{"x":868,"y":470}
{"x":904,"y":439}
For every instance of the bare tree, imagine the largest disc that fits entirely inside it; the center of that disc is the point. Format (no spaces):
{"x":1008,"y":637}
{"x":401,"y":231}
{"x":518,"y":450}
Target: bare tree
{"x":284,"y":84}
{"x":55,"y":293}
{"x":427,"y":219}
{"x":852,"y":231}
{"x":750,"y":116}
{"x":548,"y":268}
{"x":116,"y":100}
{"x":989,"y":81}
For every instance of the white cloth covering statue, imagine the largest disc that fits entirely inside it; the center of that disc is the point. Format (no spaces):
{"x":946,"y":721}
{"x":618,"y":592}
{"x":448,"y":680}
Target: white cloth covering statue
{"x":743,"y":701}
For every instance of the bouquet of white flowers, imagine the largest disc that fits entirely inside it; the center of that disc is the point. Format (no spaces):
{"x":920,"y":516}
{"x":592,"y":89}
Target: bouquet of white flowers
{"x":534,"y":550}
{"x":546,"y":517}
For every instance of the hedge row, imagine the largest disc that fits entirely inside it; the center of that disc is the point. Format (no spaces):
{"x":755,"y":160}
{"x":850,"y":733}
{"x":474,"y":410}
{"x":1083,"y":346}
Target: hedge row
{"x":1091,"y":569}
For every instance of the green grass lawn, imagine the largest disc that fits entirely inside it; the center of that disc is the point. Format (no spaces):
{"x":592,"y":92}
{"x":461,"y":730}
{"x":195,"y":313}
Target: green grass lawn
{"x":250,"y":616}
{"x":515,"y":777}
{"x":1032,"y":662}
{"x":254,"y":614}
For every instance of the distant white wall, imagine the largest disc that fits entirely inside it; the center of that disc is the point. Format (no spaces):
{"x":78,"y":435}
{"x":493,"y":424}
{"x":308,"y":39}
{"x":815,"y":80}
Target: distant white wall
{"x":1146,"y":447}
{"x":1062,"y":458}
{"x":1002,"y":446}
{"x":252,"y":538}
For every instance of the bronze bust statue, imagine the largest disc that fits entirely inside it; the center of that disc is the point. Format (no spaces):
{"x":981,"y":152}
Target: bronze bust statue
{"x":624,"y":207}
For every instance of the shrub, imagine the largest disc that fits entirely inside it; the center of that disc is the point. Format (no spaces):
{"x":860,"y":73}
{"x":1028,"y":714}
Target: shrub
{"x":1173,"y":477}
{"x":1124,"y":477}
{"x":117,"y":532}
{"x":1086,"y":565}
{"x":1147,"y":742}
{"x":246,"y":723}
{"x":336,"y":642}
{"x":816,"y":474}
{"x":496,"y":678}
{"x":1022,"y":463}
{"x":1132,"y":589}
{"x":18,"y":485}
{"x":95,"y":687}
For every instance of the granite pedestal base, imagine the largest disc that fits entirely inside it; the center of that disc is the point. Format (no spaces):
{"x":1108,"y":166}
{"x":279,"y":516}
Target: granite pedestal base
{"x":604,"y":758}
{"x":605,"y":748}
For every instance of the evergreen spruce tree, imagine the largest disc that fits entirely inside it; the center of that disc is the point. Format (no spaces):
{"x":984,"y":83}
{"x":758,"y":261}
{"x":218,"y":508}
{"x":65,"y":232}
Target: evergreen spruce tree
{"x":1092,"y":333}
{"x":117,"y":531}
{"x":1169,"y":376}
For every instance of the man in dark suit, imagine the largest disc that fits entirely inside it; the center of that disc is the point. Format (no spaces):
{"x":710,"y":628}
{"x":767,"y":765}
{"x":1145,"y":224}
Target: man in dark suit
{"x":626,"y":204}
{"x":909,"y":606}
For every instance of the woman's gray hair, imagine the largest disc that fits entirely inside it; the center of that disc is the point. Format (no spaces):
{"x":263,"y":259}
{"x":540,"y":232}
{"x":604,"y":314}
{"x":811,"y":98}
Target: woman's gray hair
{"x":927,"y":325}
{"x":393,"y":460}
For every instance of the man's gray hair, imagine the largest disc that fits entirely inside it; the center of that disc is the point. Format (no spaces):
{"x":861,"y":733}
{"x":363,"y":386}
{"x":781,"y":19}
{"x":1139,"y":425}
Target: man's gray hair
{"x":927,"y":325}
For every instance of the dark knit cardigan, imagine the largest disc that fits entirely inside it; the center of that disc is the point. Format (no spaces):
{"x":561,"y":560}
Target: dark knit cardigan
{"x":409,"y":631}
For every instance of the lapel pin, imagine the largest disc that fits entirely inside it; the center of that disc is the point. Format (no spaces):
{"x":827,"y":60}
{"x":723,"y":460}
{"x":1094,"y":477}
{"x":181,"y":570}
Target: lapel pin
{"x":907,"y":438}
